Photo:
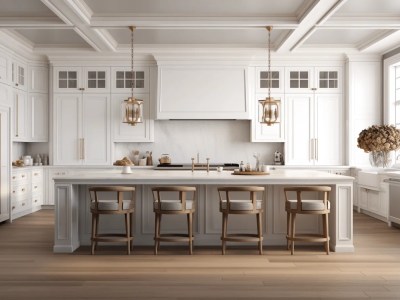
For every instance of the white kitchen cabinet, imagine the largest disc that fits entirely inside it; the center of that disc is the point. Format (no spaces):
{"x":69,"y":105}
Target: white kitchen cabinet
{"x":6,"y":95}
{"x":5,"y":69}
{"x":306,"y":79}
{"x":121,"y":80}
{"x":263,"y":80}
{"x":5,"y":161}
{"x":19,"y":75}
{"x":38,"y":110}
{"x":314,"y":129}
{"x":49,"y":175}
{"x":86,"y":79}
{"x":373,"y":194}
{"x":20,"y":113}
{"x":202,"y":92}
{"x":122,"y":132}
{"x":82,"y":129}
{"x":38,"y":79}
{"x":263,"y":132}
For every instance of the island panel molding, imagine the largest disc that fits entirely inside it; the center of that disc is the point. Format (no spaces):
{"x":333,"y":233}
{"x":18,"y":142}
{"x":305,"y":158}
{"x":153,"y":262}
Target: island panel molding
{"x":71,"y":214}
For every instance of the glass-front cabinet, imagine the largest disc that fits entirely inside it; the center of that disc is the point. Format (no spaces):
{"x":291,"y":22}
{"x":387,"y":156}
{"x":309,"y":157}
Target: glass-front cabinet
{"x":263,"y":80}
{"x":123,"y":78}
{"x":87,"y":79}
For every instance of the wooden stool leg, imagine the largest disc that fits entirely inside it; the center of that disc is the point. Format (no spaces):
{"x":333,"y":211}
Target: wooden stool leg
{"x":292,"y":229}
{"x":259,"y":232}
{"x":128,"y":232}
{"x":224,"y":230}
{"x":131,"y":221}
{"x":156,"y":233}
{"x":190,"y":232}
{"x":326,"y":232}
{"x":96,"y":230}
{"x":93,"y":231}
{"x":287,"y":229}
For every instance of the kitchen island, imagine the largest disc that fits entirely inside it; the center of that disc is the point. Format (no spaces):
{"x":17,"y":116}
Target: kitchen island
{"x":72,"y":214}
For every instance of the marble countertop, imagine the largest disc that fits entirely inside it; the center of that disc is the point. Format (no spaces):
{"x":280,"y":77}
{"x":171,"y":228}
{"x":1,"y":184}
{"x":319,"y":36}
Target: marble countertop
{"x":148,"y":176}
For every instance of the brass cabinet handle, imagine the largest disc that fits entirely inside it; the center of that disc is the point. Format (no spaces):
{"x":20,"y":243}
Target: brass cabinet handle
{"x":13,"y":192}
{"x":35,"y":174}
{"x":22,"y":190}
{"x":316,"y":149}
{"x":13,"y":177}
{"x":35,"y":200}
{"x":35,"y":187}
{"x":13,"y":208}
{"x":22,"y":175}
{"x":16,"y":124}
{"x":83,"y":148}
{"x":23,"y":204}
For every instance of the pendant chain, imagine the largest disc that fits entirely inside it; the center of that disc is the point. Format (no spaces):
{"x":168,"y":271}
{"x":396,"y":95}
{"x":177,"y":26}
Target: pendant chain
{"x":269,"y":64}
{"x":132,"y":74}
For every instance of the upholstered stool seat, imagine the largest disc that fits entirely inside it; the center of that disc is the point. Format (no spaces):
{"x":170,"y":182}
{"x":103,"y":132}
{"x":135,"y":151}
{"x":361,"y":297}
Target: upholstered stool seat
{"x":299,"y":205}
{"x":116,"y":206}
{"x":228,"y":205}
{"x":178,"y":205}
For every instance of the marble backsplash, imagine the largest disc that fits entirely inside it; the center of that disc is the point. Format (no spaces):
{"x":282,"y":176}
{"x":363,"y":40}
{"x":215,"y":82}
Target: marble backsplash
{"x":223,"y":141}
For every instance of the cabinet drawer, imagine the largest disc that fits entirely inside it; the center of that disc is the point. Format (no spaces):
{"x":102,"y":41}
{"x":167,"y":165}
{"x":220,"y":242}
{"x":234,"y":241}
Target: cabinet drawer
{"x":19,"y":177}
{"x":37,"y":199}
{"x":36,"y":187}
{"x":37,"y":175}
{"x":19,"y":191}
{"x":18,"y":206}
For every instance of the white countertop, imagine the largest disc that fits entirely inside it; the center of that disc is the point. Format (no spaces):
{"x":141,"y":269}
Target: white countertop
{"x":146,"y":176}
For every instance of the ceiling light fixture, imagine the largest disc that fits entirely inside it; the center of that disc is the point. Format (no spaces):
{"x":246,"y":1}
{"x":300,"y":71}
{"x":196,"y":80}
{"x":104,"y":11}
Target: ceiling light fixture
{"x":133,"y":107}
{"x":269,"y":107}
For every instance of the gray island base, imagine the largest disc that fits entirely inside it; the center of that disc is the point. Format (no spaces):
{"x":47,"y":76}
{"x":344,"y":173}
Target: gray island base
{"x":73,"y":219}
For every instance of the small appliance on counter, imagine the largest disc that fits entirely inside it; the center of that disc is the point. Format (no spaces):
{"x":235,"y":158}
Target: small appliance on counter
{"x":164,"y":159}
{"x":278,"y":158}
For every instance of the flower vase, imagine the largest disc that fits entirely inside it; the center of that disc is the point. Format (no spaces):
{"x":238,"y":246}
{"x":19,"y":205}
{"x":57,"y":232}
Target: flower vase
{"x":380,"y":158}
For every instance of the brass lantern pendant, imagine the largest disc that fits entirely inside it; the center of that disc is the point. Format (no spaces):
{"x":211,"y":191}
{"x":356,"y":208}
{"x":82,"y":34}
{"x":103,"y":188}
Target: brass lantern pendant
{"x":133,"y":113}
{"x":269,"y":107}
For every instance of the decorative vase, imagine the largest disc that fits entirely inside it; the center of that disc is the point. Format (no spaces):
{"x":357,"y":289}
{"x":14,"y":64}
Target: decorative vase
{"x":380,"y":158}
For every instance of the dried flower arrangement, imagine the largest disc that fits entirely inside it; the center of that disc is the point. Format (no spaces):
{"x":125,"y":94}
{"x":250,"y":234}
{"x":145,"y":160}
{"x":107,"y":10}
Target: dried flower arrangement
{"x":376,"y":138}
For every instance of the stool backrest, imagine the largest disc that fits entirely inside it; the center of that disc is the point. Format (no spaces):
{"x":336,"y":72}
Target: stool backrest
{"x":225,"y":194}
{"x":300,"y":189}
{"x":181,"y":190}
{"x":120,"y":190}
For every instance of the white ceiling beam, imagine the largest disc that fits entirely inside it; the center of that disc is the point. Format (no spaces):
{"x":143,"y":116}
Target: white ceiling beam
{"x":318,"y":13}
{"x":32,"y":23}
{"x":76,"y":13}
{"x":161,"y":22}
{"x":381,"y":43}
{"x":361,"y":22}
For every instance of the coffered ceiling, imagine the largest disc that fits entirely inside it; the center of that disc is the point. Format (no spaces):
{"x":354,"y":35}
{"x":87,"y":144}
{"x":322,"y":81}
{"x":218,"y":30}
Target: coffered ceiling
{"x":345,"y":26}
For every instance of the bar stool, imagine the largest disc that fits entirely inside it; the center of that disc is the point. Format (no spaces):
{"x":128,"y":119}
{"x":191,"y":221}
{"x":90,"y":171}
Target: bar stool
{"x":240,"y":207}
{"x":117,"y":206}
{"x":308,"y":207}
{"x":179,"y":206}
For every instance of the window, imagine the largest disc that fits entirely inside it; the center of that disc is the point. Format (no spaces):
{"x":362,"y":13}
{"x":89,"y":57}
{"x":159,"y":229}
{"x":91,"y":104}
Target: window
{"x":264,"y":79}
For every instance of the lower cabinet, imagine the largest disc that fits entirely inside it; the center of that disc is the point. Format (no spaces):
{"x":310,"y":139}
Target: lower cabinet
{"x":49,"y":184}
{"x":26,"y":191}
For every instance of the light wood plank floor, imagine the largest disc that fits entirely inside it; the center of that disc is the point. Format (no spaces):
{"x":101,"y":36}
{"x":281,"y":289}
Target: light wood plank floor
{"x":29,"y":269}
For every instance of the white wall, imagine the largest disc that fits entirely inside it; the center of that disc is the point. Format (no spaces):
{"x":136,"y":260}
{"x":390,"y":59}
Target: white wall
{"x":222,"y":141}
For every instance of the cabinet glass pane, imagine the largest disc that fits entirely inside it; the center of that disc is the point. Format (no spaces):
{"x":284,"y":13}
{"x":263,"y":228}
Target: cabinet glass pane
{"x":323,"y":84}
{"x":333,"y":84}
{"x":128,"y":83}
{"x":92,"y":75}
{"x":139,"y":84}
{"x":62,"y":75}
{"x":303,"y":84}
{"x":128,"y":75}
{"x":120,"y":84}
{"x":304,"y":75}
{"x":323,"y":75}
{"x":101,"y":75}
{"x":294,"y":84}
{"x":139,"y":75}
{"x":264,"y":84}
{"x":91,"y":84}
{"x":72,"y":83}
{"x":101,"y":84}
{"x":328,"y":79}
{"x":72,"y":74}
{"x":62,"y":83}
{"x":120,"y":75}
{"x":294,"y":75}
{"x":275,"y":84}
{"x":333,"y":74}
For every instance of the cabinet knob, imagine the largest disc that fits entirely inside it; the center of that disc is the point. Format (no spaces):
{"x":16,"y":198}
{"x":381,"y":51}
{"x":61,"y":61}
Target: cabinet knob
{"x":35,"y":200}
{"x":22,"y":176}
{"x":35,"y":187}
{"x":23,"y":204}
{"x":23,"y":190}
{"x":13,"y":192}
{"x":13,"y":177}
{"x":13,"y":208}
{"x":313,"y":89}
{"x":16,"y":84}
{"x":35,"y":174}
{"x":81,"y":89}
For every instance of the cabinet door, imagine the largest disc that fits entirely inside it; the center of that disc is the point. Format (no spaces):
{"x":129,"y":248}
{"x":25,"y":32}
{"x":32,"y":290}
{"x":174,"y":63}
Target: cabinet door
{"x":121,"y":80}
{"x":298,"y":150}
{"x":373,"y":201}
{"x":67,"y":80}
{"x":5,"y":76}
{"x":328,"y":140}
{"x":19,"y":75}
{"x":328,"y":79}
{"x":67,"y":140}
{"x":38,"y":109}
{"x":5,"y":160}
{"x":20,"y":116}
{"x":6,"y":95}
{"x":122,"y":132}
{"x":363,"y":197}
{"x":38,"y":79}
{"x":263,"y":80}
{"x":96,"y":142}
{"x":96,"y":79}
{"x":299,"y":79}
{"x":263,"y":132}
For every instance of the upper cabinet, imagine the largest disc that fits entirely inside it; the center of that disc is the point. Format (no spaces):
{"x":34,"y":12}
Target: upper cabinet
{"x":263,"y":80}
{"x":19,"y":75}
{"x":122,"y":79}
{"x":5,"y":70}
{"x":20,"y":116}
{"x":87,"y":79}
{"x":38,"y":79}
{"x":202,"y":92}
{"x":319,"y":79}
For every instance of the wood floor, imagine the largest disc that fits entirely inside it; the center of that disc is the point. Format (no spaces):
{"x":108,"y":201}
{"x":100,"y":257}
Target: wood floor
{"x":29,"y":269}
